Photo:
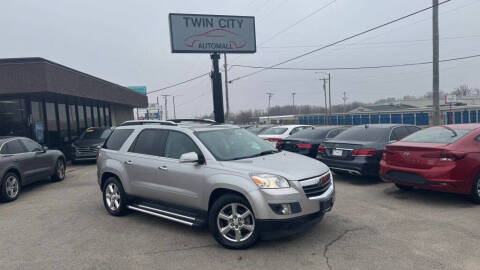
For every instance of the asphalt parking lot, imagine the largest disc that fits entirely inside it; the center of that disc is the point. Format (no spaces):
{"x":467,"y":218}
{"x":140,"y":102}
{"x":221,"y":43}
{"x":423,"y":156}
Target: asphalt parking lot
{"x":372,"y":226}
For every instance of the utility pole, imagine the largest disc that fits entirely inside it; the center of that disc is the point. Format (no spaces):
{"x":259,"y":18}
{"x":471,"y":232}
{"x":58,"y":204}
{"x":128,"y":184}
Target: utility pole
{"x":436,"y":72}
{"x":329,"y":95}
{"x":325,"y":93}
{"x":268,"y":110}
{"x":344,"y":100}
{"x":174,"y":112}
{"x":166,"y":111}
{"x":226,"y":87}
{"x":293,"y":101}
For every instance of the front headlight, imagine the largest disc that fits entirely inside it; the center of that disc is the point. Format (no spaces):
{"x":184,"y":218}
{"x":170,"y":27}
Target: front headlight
{"x":265,"y":180}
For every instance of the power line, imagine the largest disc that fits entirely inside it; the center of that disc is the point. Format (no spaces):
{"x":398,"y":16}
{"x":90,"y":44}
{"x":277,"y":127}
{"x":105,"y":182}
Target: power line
{"x":180,"y":83}
{"x":359,"y":67}
{"x":342,"y":40}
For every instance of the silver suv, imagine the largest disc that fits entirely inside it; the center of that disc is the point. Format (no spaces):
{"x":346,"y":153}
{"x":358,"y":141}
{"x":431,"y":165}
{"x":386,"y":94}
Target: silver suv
{"x":199,"y":173}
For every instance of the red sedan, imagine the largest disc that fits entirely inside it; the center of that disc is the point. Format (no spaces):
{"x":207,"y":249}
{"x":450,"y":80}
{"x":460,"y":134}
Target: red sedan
{"x":441,"y":158}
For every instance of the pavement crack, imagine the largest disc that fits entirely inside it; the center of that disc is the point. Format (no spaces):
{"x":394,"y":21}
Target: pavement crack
{"x":178,"y":249}
{"x":329,"y":244}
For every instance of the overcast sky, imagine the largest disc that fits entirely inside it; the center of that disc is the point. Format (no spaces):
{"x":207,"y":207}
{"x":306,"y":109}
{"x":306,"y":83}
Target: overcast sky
{"x":127,"y":42}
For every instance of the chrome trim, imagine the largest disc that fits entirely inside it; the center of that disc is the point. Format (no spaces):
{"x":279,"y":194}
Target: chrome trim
{"x":312,"y":181}
{"x":344,"y":149}
{"x":346,"y":170}
{"x":159,"y":215}
{"x":165,"y":212}
{"x":325,"y":195}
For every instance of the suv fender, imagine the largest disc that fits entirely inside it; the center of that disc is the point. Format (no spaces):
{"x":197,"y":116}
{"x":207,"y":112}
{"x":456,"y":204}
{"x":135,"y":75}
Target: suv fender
{"x":116,"y":168}
{"x":236,"y":184}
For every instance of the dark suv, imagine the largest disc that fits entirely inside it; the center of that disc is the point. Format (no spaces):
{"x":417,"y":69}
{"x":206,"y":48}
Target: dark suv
{"x":87,"y":145}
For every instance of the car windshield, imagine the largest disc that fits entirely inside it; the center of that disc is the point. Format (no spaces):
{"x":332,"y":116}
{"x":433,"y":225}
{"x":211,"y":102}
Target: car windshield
{"x":361,"y":133}
{"x":274,"y":131}
{"x":437,"y":135}
{"x":95,"y":133}
{"x":255,"y":130}
{"x":234,"y":144}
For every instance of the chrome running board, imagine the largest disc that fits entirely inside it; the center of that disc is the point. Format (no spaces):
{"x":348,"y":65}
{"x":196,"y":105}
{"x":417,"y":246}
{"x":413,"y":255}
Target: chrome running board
{"x":190,"y":221}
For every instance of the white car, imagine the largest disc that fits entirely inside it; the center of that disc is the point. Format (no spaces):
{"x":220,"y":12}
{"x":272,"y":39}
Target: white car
{"x":276,"y":134}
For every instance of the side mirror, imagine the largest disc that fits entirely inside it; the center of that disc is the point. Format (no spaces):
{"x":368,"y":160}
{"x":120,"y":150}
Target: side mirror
{"x":190,"y":157}
{"x":44,"y":148}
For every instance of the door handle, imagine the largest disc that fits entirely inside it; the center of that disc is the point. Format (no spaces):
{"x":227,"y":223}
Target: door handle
{"x":129,"y":162}
{"x":165,"y":168}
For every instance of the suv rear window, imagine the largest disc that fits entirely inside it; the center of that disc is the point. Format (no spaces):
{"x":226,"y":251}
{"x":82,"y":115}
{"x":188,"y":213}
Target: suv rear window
{"x":361,"y":133}
{"x":437,"y":135}
{"x":117,"y":139}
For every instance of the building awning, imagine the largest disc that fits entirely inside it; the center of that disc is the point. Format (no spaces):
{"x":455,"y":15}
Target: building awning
{"x":37,"y":75}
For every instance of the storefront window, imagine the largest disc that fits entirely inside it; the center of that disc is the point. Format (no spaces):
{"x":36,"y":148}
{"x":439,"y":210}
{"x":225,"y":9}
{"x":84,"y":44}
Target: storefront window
{"x":62,"y":120}
{"x":13,"y":117}
{"x":38,"y":122}
{"x":89,"y":116}
{"x":102,"y":116}
{"x":107,"y":116}
{"x":73,"y":121}
{"x":95,"y":116}
{"x":52,"y":135}
{"x":81,"y":118}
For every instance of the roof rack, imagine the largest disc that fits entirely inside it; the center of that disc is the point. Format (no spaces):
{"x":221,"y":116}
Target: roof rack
{"x":147,"y":122}
{"x":204,"y":121}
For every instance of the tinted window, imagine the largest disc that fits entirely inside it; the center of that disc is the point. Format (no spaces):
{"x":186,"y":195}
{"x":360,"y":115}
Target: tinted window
{"x":398,"y":133}
{"x":412,"y":129}
{"x":31,"y":145}
{"x":437,"y":135}
{"x":362,"y":133}
{"x":334,"y":133}
{"x":311,"y":134}
{"x":15,"y":147}
{"x":150,"y":142}
{"x":95,"y":133}
{"x":274,"y":131}
{"x":3,"y":150}
{"x":178,"y":144}
{"x":117,"y":139}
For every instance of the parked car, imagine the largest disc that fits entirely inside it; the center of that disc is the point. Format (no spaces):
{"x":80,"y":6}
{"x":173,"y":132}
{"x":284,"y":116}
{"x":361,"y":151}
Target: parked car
{"x":306,"y":142}
{"x":277,"y":133}
{"x":258,"y":129}
{"x":24,"y":161}
{"x":358,"y":149}
{"x":442,"y":158}
{"x":219,"y":175}
{"x":87,"y":145}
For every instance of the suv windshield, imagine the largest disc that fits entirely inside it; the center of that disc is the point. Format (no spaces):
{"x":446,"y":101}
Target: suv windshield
{"x":95,"y":133}
{"x":437,"y":135}
{"x":360,"y":133}
{"x":233,"y":144}
{"x":274,"y":131}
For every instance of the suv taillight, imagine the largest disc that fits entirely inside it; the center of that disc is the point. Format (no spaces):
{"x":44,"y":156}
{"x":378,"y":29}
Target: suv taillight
{"x":364,"y":152}
{"x":98,"y":154}
{"x":321,"y":149}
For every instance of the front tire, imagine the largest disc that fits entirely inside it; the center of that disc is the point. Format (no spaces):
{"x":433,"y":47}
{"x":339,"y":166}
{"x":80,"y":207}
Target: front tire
{"x":60,"y":169}
{"x":114,"y":198}
{"x":475,"y":196}
{"x":10,"y":187}
{"x":232,"y":222}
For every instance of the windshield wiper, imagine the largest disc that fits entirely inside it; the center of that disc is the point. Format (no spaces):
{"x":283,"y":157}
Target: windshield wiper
{"x":264,"y":153}
{"x":453,"y":131}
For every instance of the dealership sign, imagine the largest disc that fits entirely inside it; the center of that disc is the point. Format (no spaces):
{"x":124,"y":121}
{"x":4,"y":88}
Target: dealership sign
{"x":194,"y":33}
{"x":449,"y":99}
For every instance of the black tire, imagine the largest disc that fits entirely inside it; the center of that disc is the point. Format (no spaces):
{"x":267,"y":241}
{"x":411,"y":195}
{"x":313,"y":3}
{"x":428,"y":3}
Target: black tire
{"x":221,"y":203}
{"x":60,"y":169}
{"x":5,"y":191}
{"x":403,"y":187}
{"x":121,"y":209}
{"x":475,"y":196}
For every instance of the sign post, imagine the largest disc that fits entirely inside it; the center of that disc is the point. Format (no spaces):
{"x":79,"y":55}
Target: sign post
{"x":450,"y":99}
{"x":213,"y":34}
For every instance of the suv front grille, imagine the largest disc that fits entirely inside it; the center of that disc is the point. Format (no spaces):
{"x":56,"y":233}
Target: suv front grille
{"x":86,"y":150}
{"x":322,"y":184}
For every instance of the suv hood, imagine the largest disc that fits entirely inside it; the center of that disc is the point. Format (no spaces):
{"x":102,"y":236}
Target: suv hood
{"x":289,"y":165}
{"x":88,"y":143}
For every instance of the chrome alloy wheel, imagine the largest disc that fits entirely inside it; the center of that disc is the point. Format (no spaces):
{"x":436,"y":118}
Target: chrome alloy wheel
{"x":12,"y":186}
{"x":112,"y":196}
{"x":60,"y":170}
{"x":235,"y":222}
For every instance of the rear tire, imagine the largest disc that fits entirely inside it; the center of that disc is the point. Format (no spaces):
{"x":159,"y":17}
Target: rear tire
{"x":475,"y":196}
{"x":232,"y":223}
{"x":403,"y":187}
{"x":60,"y":169}
{"x":10,"y":187}
{"x":114,"y":197}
